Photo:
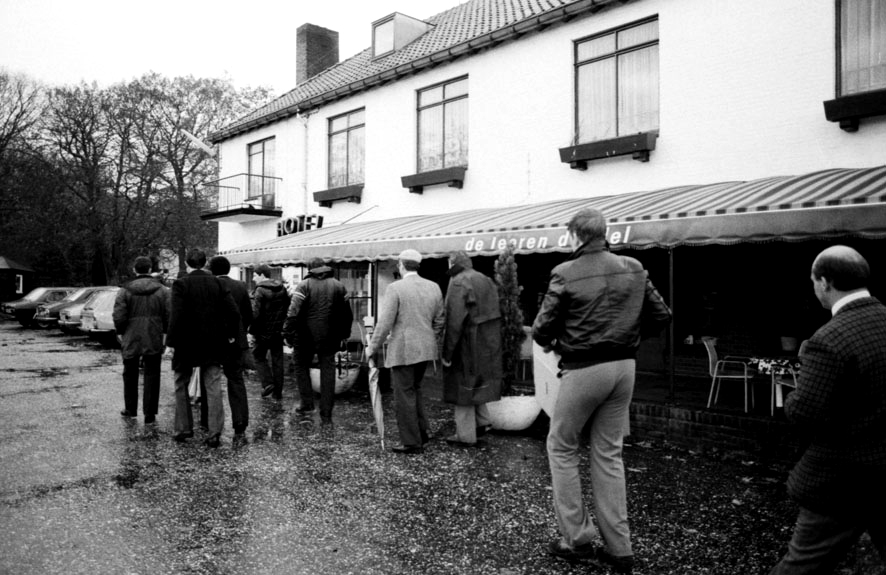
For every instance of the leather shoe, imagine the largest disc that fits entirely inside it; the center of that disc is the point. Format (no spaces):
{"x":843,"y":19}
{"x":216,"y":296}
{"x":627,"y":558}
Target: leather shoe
{"x":181,"y":437}
{"x":149,"y":420}
{"x":212,"y":442}
{"x":620,"y":564}
{"x":127,"y":413}
{"x":407,"y":449}
{"x":455,"y":442}
{"x":559,"y":549}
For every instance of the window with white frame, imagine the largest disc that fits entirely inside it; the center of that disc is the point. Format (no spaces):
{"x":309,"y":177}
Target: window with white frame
{"x":443,"y":126}
{"x":862,"y":45}
{"x":346,"y":149}
{"x":261,"y":168}
{"x":617,"y":82}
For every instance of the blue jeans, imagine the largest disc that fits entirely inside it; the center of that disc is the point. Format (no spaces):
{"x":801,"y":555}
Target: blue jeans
{"x":270,"y":373}
{"x":210,"y":376}
{"x":821,"y":541}
{"x":601,"y":393}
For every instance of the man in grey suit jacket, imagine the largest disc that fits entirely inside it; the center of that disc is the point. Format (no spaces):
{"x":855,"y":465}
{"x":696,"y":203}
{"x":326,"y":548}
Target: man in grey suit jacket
{"x":840,"y":406}
{"x":412,"y":314}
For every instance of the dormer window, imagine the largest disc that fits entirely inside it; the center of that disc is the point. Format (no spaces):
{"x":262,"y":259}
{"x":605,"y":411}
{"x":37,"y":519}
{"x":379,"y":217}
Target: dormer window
{"x":393,"y":32}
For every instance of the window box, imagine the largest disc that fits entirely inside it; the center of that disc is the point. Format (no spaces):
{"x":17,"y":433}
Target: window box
{"x":349,"y":193}
{"x":848,"y":110}
{"x":416,"y":183}
{"x":638,"y":145}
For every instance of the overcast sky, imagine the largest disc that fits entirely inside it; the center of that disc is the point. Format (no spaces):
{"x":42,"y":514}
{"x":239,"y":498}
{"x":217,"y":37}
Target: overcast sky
{"x":250,"y":41}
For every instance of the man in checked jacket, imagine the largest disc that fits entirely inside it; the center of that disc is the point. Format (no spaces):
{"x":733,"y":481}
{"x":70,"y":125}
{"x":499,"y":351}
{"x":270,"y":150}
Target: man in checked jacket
{"x":840,"y":405}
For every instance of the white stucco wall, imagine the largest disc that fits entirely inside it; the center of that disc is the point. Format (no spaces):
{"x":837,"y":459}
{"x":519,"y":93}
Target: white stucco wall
{"x":742,"y":86}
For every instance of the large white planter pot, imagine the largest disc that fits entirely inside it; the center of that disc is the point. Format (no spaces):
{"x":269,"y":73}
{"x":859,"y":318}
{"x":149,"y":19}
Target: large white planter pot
{"x":345,"y":377}
{"x":513,"y":413}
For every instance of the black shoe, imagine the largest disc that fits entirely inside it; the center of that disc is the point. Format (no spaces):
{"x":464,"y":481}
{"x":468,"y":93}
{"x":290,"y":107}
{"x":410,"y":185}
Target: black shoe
{"x":149,"y":420}
{"x":483,"y":430}
{"x":212,"y":442}
{"x":408,"y":449}
{"x":267,"y":390}
{"x":278,"y":396}
{"x":304,"y":410}
{"x":425,"y":438}
{"x":455,"y":442}
{"x":239,"y":430}
{"x":559,"y":549}
{"x":325,"y":420}
{"x":127,"y":413}
{"x":181,"y":437}
{"x":621,"y":564}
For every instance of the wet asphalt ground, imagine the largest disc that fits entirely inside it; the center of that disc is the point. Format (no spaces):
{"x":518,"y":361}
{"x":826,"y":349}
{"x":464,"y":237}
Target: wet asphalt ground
{"x":83,"y":490}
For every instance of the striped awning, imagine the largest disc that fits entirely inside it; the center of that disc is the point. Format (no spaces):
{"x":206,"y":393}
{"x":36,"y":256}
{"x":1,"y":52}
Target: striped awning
{"x":826,"y":204}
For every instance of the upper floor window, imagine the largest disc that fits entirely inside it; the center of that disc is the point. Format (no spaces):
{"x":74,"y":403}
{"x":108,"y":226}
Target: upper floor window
{"x":261,"y":168}
{"x":443,"y":126}
{"x":346,"y":149}
{"x":617,"y":82}
{"x":862,"y":58}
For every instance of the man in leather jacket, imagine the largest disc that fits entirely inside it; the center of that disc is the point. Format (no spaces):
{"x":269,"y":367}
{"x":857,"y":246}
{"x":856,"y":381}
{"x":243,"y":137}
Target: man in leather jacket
{"x":596,"y":307}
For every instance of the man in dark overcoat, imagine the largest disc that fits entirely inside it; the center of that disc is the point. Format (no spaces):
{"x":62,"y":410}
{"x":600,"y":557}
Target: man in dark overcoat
{"x":472,"y":366}
{"x":141,"y":318}
{"x":204,"y":321}
{"x":840,"y":407}
{"x":319,"y":318}
{"x":236,"y":359}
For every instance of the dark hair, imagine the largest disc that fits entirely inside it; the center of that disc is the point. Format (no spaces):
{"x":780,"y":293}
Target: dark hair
{"x":410,"y":265}
{"x":588,"y":224}
{"x":196,"y":258}
{"x":263,"y":269}
{"x":315,"y":263}
{"x":845,"y":269}
{"x":142,"y":265}
{"x":219,"y":265}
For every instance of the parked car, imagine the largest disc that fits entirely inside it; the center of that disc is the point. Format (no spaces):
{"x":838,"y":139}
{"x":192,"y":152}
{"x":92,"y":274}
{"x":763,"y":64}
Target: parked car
{"x":69,"y":316}
{"x":48,"y":313}
{"x":24,"y":309}
{"x":96,"y":319}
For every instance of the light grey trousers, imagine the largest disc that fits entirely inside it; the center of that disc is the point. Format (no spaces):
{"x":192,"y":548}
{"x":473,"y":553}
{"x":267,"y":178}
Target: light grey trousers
{"x":211,"y":376}
{"x":602,"y":394}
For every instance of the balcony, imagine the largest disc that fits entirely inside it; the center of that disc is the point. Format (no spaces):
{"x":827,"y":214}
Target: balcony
{"x":242,"y":198}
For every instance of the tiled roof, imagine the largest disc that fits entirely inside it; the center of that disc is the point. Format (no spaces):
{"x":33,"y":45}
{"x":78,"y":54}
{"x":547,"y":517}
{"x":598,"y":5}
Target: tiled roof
{"x":471,"y":26}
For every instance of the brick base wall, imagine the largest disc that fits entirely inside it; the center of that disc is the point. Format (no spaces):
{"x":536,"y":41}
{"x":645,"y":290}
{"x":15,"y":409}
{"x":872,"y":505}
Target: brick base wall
{"x":761,"y":438}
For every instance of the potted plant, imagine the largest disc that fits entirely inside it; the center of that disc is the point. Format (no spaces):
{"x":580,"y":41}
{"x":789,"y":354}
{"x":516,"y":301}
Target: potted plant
{"x":513,"y":411}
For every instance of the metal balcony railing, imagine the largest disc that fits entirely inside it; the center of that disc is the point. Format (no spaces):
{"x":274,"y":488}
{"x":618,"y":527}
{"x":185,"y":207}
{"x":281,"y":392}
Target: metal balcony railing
{"x":242,"y":191}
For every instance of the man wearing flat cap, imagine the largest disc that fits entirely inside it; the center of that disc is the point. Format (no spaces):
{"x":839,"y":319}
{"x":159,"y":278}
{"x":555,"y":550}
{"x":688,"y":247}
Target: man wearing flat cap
{"x":412,"y":315}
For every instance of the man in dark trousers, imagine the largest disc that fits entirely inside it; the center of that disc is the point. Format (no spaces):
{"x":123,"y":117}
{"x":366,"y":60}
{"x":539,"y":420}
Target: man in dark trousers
{"x":141,"y":318}
{"x":597,"y":307}
{"x":472,"y":368}
{"x":235,"y":361}
{"x":270,"y":301}
{"x":203,"y":323}
{"x":840,"y":407}
{"x":412,"y":315}
{"x":319,"y":318}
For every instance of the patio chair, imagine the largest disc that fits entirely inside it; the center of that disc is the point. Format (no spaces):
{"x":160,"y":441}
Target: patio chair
{"x":731,"y":367}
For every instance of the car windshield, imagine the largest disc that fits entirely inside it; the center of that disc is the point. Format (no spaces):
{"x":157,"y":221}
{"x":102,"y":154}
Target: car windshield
{"x":74,"y":296}
{"x":35,"y":295}
{"x":104,"y":299}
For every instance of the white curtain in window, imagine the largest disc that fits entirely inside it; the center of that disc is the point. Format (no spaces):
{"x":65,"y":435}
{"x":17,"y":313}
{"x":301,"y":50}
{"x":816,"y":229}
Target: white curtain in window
{"x":355,"y":156}
{"x":455,"y":146}
{"x":596,"y":101}
{"x":863,"y":45}
{"x":338,"y":160}
{"x":430,"y":139}
{"x":638,"y":91}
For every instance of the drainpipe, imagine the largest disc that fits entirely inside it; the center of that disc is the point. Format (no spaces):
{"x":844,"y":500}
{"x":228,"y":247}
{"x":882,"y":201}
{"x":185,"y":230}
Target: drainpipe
{"x":305,"y":118}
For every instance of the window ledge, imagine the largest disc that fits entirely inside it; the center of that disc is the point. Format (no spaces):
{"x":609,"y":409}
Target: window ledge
{"x":351,"y":194}
{"x":638,"y":145}
{"x":848,"y":110}
{"x":416,"y":183}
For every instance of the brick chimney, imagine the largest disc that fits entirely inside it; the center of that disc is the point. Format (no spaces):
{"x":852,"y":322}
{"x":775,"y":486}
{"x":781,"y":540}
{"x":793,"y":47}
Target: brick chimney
{"x":316,"y":49}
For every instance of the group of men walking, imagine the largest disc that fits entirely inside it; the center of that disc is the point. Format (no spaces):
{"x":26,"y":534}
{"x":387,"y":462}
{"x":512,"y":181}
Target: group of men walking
{"x":597,"y":308}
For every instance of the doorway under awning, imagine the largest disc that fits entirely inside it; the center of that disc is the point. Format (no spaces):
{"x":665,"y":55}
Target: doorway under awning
{"x":825,"y":204}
